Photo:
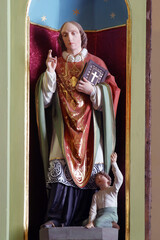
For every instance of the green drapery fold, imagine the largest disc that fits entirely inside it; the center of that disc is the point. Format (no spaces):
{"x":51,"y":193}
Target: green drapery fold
{"x":109,"y":127}
{"x":41,"y":122}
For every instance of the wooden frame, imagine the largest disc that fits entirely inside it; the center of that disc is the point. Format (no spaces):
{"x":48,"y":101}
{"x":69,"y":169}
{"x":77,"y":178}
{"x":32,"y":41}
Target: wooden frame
{"x":148,"y":125}
{"x":15,"y":154}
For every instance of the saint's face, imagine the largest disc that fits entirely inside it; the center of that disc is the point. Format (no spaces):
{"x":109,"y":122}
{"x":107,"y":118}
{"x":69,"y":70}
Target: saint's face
{"x":72,"y":38}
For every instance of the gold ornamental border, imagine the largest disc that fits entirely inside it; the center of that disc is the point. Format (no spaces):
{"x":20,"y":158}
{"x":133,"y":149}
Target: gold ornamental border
{"x":27,"y":117}
{"x":57,"y":30}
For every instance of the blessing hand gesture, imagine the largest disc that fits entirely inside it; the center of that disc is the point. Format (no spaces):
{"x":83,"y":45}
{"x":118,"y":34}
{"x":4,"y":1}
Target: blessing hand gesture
{"x":51,"y":62}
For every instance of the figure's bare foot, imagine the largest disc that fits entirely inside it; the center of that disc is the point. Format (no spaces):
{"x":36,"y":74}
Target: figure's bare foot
{"x":115,"y":225}
{"x":48,"y":224}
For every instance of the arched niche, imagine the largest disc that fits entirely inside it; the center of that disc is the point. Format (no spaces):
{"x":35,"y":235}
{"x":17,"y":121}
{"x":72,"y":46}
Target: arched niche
{"x":107,"y":25}
{"x":43,"y":37}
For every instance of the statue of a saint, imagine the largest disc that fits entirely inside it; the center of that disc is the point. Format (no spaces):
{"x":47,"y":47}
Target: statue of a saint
{"x":83,"y":134}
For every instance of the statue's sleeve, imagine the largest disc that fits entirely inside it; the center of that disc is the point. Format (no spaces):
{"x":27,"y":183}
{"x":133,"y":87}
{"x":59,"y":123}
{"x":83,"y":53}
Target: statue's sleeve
{"x":41,"y":123}
{"x":118,"y":177}
{"x":93,"y":209}
{"x":115,"y":90}
{"x":96,"y":98}
{"x":110,"y":80}
{"x":48,"y":87}
{"x":109,"y":128}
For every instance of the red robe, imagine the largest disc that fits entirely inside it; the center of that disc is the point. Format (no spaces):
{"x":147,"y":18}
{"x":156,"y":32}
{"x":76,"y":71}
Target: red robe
{"x":77,"y":110}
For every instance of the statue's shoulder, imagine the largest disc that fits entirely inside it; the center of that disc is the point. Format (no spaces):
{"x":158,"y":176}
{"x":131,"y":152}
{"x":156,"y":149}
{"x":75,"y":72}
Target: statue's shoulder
{"x":96,"y":59}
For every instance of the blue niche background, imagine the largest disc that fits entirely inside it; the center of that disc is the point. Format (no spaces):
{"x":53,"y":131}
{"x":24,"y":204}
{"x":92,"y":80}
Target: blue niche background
{"x":95,"y":15}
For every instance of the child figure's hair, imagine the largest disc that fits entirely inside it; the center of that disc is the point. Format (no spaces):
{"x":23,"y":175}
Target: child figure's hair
{"x":105,"y":175}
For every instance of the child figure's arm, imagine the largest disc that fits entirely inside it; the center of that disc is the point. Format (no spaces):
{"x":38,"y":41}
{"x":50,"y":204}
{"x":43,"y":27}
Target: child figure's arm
{"x":118,"y":177}
{"x":92,"y":212}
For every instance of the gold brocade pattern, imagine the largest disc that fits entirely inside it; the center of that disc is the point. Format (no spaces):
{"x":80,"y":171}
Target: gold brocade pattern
{"x":77,"y":116}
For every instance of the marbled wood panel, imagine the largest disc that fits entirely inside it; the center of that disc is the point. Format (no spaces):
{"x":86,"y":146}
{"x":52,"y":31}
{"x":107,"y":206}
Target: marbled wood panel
{"x":148,"y":126}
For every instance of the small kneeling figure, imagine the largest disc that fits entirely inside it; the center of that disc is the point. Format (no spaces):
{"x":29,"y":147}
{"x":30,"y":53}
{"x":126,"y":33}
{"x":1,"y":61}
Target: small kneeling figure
{"x":103,"y":210}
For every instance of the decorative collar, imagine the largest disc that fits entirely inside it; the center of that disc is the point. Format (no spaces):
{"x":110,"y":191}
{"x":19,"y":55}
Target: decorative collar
{"x":78,"y":58}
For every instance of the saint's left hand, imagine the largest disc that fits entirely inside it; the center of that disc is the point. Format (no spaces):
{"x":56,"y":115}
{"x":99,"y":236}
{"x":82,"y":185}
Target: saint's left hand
{"x":84,"y":86}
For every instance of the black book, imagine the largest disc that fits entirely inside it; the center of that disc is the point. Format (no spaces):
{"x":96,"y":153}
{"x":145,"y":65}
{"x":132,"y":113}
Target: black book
{"x":94,"y":73}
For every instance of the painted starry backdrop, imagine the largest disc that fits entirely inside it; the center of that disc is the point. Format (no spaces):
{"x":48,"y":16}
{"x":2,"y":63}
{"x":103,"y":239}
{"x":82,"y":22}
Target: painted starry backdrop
{"x":91,"y":14}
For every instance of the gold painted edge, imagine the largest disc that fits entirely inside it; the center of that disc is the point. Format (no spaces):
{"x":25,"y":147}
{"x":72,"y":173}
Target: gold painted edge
{"x":128,"y":122}
{"x":104,"y":29}
{"x":27,"y":106}
{"x":57,"y":30}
